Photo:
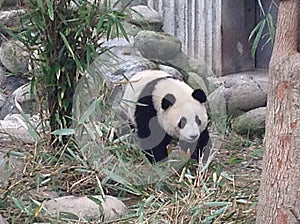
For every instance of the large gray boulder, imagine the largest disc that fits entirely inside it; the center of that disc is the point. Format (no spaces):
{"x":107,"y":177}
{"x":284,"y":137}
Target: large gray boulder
{"x":251,"y":123}
{"x":157,"y":45}
{"x":146,"y":17}
{"x":164,"y":48}
{"x":244,"y":93}
{"x":239,"y":93}
{"x":119,"y":47}
{"x":197,"y":82}
{"x":218,"y":104}
{"x":189,"y":64}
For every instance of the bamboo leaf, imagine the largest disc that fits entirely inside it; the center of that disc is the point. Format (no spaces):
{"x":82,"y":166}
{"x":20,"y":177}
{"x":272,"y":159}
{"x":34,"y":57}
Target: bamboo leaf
{"x":257,"y":38}
{"x":19,"y":204}
{"x":261,"y":7}
{"x":67,"y":45}
{"x":217,"y":203}
{"x":64,"y":131}
{"x":17,"y":154}
{"x":90,"y":110}
{"x":41,"y":5}
{"x":100,"y":24}
{"x":123,"y":31}
{"x":50,"y":9}
{"x":256,"y":28}
{"x":271,"y":26}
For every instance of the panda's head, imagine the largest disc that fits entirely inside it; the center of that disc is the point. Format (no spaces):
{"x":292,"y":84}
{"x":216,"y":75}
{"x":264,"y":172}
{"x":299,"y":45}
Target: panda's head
{"x":183,"y":114}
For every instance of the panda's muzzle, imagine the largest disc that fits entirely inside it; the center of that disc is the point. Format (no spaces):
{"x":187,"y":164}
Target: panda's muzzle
{"x":193,"y":138}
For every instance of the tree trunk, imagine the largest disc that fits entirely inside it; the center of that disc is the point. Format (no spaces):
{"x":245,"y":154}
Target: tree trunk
{"x":279,"y":196}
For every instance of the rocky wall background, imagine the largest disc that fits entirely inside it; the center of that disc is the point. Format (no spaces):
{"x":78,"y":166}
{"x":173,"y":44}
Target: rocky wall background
{"x":232,"y":96}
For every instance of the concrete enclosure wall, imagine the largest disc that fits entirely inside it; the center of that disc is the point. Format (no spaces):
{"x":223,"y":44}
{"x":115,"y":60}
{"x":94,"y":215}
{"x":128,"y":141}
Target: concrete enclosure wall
{"x":238,"y":19}
{"x":216,"y":31}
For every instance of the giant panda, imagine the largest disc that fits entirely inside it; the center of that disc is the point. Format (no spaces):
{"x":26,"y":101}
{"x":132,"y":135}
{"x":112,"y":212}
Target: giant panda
{"x":163,"y":108}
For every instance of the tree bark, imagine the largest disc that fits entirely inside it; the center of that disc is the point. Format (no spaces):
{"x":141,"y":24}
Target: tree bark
{"x":279,"y":196}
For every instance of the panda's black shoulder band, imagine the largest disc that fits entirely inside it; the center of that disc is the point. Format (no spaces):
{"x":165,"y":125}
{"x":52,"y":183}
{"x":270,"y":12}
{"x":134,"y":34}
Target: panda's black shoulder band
{"x":149,"y":88}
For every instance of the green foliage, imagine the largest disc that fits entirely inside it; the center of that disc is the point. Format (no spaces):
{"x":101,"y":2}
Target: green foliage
{"x":225,"y":192}
{"x":257,"y":32}
{"x":64,"y":36}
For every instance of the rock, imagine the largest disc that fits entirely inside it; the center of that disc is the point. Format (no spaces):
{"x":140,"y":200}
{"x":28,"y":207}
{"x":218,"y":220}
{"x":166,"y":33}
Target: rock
{"x":2,"y":100}
{"x":120,"y":47}
{"x":213,"y":83}
{"x":251,"y":123}
{"x":133,"y":2}
{"x":11,"y":166}
{"x":114,"y":69}
{"x":12,"y":82}
{"x":217,"y":105}
{"x":146,"y":17}
{"x":131,"y":29}
{"x":14,"y":128}
{"x":189,"y":64}
{"x":2,"y":220}
{"x":173,"y":71}
{"x":14,"y":57}
{"x":2,"y":75}
{"x":261,"y":77}
{"x":85,"y":208}
{"x":19,"y":99}
{"x":242,"y":94}
{"x":197,"y":82}
{"x":157,"y":45}
{"x":11,"y":18}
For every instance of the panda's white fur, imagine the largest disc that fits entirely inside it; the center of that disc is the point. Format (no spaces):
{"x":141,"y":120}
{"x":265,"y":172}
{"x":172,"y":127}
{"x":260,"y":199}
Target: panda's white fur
{"x":168,"y":119}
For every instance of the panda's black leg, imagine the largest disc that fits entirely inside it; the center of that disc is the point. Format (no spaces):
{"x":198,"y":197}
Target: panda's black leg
{"x":202,"y":142}
{"x":156,"y":155}
{"x":159,"y":152}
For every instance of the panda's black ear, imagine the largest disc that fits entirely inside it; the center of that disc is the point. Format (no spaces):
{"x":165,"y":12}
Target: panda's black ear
{"x":167,"y":101}
{"x":199,"y":95}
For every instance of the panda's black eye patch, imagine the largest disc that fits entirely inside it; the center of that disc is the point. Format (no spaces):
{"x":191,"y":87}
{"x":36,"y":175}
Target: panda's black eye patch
{"x":198,"y":121}
{"x":182,"y":122}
